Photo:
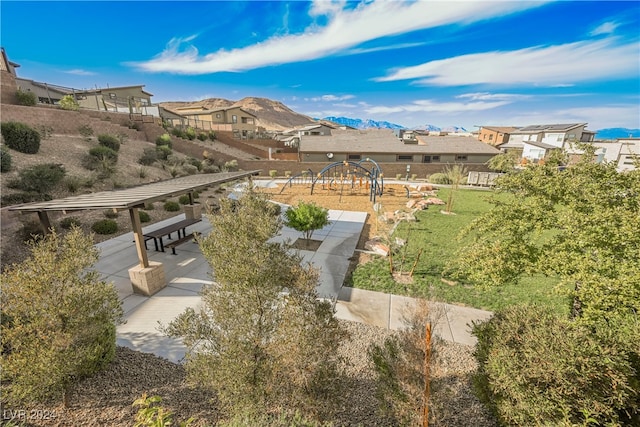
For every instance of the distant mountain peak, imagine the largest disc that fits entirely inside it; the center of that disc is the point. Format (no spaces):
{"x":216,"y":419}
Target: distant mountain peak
{"x":616,"y":133}
{"x":362,"y":124}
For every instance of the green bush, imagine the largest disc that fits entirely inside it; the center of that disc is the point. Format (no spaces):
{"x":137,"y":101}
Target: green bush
{"x":190,"y":169}
{"x":58,"y":320}
{"x":273,"y":173}
{"x":68,"y":102}
{"x":109,"y":141}
{"x":144,"y":217}
{"x":536,"y":368}
{"x":190,"y":133}
{"x":202,"y":136}
{"x":439,"y":178}
{"x":184,"y":199}
{"x":26,"y":197}
{"x":39,"y":178}
{"x":231,"y":165}
{"x":212,"y":135}
{"x":178,"y":132}
{"x":108,"y":213}
{"x":20,"y":137}
{"x":26,"y":98}
{"x":149,"y":206}
{"x":73,"y":183}
{"x":104,"y":153}
{"x":195,"y":162}
{"x":164,"y":139}
{"x":5,"y":159}
{"x":163,"y":152}
{"x":105,"y":226}
{"x":69,"y":222}
{"x":171,"y":206}
{"x":149,"y":157}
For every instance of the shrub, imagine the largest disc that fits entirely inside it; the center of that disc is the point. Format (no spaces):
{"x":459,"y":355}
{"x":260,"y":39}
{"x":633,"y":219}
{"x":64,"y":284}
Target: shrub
{"x":149,"y":157}
{"x":32,"y":231}
{"x":231,"y":165}
{"x":163,"y":152}
{"x":109,"y":141}
{"x":58,"y":320}
{"x":69,"y":222}
{"x":110,"y":213}
{"x":39,"y":178}
{"x":103,"y":153}
{"x":287,"y":174}
{"x":27,"y":197}
{"x":584,"y":376}
{"x":174,"y":160}
{"x":73,"y":183}
{"x":171,"y":206}
{"x":5,"y":159}
{"x":26,"y":98}
{"x":195,"y":162}
{"x":144,"y":217}
{"x":212,"y":135}
{"x":202,"y":136}
{"x":178,"y":132}
{"x":273,"y":173}
{"x":190,"y":169}
{"x":86,"y":131}
{"x":164,"y":139}
{"x":105,"y":226}
{"x":306,"y":218}
{"x":190,"y":133}
{"x":184,"y":199}
{"x":439,"y":178}
{"x":149,"y":206}
{"x":68,"y":102}
{"x":20,"y":137}
{"x":210,"y":168}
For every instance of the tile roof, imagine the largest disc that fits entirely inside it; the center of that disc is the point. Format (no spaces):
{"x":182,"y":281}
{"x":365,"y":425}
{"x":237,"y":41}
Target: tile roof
{"x":385,"y":141}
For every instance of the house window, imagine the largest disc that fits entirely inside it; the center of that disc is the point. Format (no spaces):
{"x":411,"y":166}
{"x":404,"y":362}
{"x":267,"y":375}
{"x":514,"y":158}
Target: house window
{"x":430,"y":159}
{"x":234,"y":119}
{"x":461,"y":158}
{"x":491,"y":137}
{"x":353,"y":157}
{"x":404,"y":158}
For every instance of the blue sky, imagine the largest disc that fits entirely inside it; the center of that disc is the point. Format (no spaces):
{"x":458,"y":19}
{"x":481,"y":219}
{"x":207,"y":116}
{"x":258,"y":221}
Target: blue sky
{"x":464,"y":63}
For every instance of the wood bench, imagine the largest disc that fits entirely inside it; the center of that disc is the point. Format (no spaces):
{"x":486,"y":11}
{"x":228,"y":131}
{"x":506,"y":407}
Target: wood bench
{"x":172,"y":245}
{"x":176,"y":227}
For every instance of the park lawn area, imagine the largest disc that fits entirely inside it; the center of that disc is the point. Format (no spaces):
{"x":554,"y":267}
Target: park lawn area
{"x":436,"y":236}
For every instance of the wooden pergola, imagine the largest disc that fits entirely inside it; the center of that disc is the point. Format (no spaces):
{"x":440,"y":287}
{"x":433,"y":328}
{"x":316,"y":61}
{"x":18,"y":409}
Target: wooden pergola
{"x":131,"y":199}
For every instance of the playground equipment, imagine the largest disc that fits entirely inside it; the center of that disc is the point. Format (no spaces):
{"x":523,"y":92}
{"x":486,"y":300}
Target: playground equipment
{"x":340,"y":174}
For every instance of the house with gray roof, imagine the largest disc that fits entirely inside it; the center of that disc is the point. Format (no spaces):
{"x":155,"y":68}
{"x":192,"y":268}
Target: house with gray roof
{"x":383,"y":146}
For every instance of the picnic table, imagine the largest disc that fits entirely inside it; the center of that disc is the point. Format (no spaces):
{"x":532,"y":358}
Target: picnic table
{"x":176,"y":227}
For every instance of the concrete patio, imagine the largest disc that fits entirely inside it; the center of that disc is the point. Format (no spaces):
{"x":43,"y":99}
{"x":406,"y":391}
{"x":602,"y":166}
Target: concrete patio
{"x":188,"y":271}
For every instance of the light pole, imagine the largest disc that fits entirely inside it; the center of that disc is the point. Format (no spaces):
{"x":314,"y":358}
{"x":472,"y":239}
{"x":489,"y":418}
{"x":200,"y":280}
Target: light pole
{"x":408,"y":170}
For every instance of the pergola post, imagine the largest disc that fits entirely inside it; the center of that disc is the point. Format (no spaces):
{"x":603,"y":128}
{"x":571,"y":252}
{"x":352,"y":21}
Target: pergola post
{"x":136,"y":225}
{"x":44,"y":221}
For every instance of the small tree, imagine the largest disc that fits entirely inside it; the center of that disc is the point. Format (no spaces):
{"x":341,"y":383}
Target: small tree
{"x":503,"y":162}
{"x":26,"y":98}
{"x":306,"y":218}
{"x":456,"y":175}
{"x":58,"y":319}
{"x":262,"y":338}
{"x":68,"y":102}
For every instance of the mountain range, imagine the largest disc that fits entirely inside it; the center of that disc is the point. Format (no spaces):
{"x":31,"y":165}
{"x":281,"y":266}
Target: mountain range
{"x":274,"y":115}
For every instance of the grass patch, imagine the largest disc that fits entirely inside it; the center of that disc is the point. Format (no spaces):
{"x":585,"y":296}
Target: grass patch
{"x":436,"y":235}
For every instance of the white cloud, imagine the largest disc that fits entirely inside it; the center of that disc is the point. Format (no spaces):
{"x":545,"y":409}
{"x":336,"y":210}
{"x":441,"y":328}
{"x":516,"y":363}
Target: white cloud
{"x":331,"y":98}
{"x":605,"y":28}
{"x":427,"y":106}
{"x":346,"y":28}
{"x":485,"y":96}
{"x":79,"y":72}
{"x":547,"y":66}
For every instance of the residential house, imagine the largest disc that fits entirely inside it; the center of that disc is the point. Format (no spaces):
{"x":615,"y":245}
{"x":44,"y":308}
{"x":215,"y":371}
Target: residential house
{"x":45,"y":93}
{"x":495,"y":135}
{"x":241,"y":122}
{"x":536,"y":141}
{"x":124,"y":99}
{"x":624,"y":152}
{"x":8,"y":86}
{"x":291,"y":137}
{"x":384,"y":146}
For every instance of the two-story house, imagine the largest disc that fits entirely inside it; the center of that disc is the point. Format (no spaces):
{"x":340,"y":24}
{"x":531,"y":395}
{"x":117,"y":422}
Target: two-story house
{"x":241,"y":122}
{"x":495,"y":135}
{"x":123,"y":99}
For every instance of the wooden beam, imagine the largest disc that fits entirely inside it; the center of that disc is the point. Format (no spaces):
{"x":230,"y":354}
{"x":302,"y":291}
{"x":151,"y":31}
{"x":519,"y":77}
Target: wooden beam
{"x":138,"y":237}
{"x":44,"y":221}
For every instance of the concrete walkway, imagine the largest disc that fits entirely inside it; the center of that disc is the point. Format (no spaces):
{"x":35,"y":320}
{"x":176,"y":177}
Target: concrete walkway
{"x":187,"y":272}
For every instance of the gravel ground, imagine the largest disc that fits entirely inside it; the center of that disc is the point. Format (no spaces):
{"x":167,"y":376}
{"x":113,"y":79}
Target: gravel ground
{"x":106,"y":399}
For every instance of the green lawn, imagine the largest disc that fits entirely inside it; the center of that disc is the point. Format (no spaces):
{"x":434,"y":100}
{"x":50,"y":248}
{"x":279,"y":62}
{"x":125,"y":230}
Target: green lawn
{"x":437,"y":236}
